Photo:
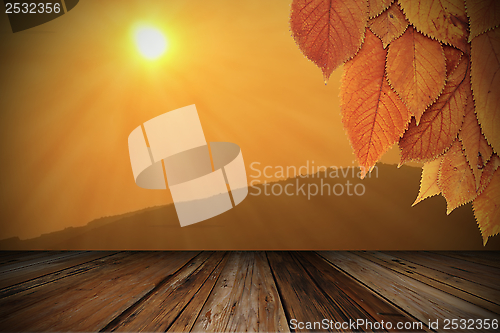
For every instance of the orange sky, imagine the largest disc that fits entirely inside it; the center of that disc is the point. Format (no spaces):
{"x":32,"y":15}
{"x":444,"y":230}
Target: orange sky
{"x":74,"y":88}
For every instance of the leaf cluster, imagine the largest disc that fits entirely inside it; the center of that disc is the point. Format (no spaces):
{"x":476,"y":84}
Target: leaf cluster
{"x":423,"y":74}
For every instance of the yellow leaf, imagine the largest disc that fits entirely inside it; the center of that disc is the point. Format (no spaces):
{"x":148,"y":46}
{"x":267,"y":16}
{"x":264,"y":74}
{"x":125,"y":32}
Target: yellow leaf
{"x":373,"y":115}
{"x":487,"y":208}
{"x":444,"y":20}
{"x":477,"y":150}
{"x":428,"y":182}
{"x":376,"y":7}
{"x":485,"y":79}
{"x":488,"y":171}
{"x":416,"y":69}
{"x":455,"y":179}
{"x":329,"y":32}
{"x":441,"y":122}
{"x":452,"y":56}
{"x":483,"y":14}
{"x":389,"y":25}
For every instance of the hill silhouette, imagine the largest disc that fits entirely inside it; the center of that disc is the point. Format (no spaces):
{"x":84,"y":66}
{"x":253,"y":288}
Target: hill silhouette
{"x":380,"y":219}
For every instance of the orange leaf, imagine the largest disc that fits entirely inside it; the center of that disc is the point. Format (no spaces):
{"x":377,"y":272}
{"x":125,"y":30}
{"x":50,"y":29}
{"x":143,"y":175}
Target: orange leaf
{"x":484,"y":15}
{"x":389,"y":25}
{"x":416,"y":69}
{"x":487,"y":208}
{"x":441,"y":122}
{"x":485,"y":79}
{"x":452,"y":56}
{"x":428,"y":183}
{"x":477,"y":150}
{"x":444,"y":20}
{"x":455,"y":179}
{"x":376,"y":7}
{"x":488,"y":172}
{"x":372,"y":113}
{"x":329,"y":32}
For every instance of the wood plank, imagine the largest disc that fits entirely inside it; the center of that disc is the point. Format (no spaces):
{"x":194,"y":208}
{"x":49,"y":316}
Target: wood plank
{"x":187,"y":318}
{"x":418,"y":299}
{"x":89,"y":305}
{"x":477,"y":273}
{"x":32,"y":269}
{"x":302,"y":299}
{"x":9,"y":257}
{"x":488,"y":258}
{"x":60,"y":274}
{"x":244,"y":299}
{"x":159,"y":310}
{"x":357,"y":301}
{"x":36,"y":258}
{"x":477,"y":294}
{"x":26,"y":298}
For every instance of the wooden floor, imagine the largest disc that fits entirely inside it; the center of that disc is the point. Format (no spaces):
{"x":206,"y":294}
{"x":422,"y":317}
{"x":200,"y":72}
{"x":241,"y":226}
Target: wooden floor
{"x":249,"y":291}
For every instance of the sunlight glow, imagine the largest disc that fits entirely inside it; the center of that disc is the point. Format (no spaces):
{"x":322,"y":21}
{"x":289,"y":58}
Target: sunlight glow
{"x":151,"y":42}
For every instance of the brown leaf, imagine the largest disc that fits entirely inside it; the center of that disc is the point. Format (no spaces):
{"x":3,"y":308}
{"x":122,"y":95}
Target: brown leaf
{"x":389,"y":25}
{"x":455,"y":179}
{"x":485,"y":79}
{"x":376,"y":7}
{"x":444,"y":20}
{"x":487,"y":208}
{"x":329,"y":32}
{"x":441,"y":122}
{"x":452,"y":56}
{"x":429,"y":181}
{"x":483,"y":14}
{"x":373,"y":115}
{"x":477,"y":150}
{"x":416,"y":69}
{"x":488,"y":171}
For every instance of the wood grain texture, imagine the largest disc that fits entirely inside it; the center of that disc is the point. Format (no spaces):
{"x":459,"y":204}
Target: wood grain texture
{"x":474,"y":272}
{"x":157,"y":312}
{"x":474,"y":293}
{"x":241,"y":291}
{"x":10,"y":257}
{"x":90,"y":303}
{"x":187,"y":318}
{"x":418,"y":299}
{"x":244,"y":299}
{"x":488,"y":258}
{"x":302,"y":299}
{"x":353,"y":298}
{"x":23,"y":271}
{"x":57,"y":275}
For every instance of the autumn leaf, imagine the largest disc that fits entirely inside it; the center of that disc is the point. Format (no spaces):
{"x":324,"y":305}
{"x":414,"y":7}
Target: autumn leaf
{"x":488,"y":171}
{"x":476,"y":148}
{"x":483,"y":14}
{"x":429,"y":181}
{"x":455,"y":179}
{"x":485,"y":79}
{"x":374,"y":117}
{"x":416,"y":69}
{"x":439,"y":93}
{"x":487,"y":208}
{"x":452,"y":56}
{"x":329,"y":32}
{"x":444,"y":20}
{"x":389,"y":25}
{"x":440,"y":124}
{"x":376,"y":7}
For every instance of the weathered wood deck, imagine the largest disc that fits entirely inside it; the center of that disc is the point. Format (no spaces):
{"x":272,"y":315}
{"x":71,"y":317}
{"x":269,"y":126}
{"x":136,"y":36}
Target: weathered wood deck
{"x":249,"y":291}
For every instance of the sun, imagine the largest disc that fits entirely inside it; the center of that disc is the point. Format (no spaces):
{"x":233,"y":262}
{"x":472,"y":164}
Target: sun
{"x":151,"y":42}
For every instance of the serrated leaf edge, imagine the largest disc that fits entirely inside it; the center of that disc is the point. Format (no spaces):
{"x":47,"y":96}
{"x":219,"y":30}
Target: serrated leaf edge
{"x":390,"y":84}
{"x":448,"y":210}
